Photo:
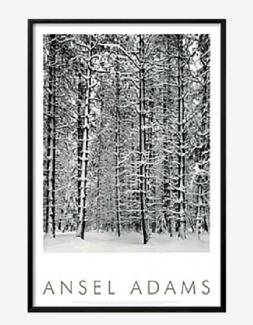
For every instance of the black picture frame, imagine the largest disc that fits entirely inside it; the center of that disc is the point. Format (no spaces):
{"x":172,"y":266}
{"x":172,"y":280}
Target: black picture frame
{"x":31,"y":179}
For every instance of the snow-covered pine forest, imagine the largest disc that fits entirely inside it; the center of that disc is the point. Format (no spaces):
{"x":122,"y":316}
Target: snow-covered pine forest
{"x":126,"y":138}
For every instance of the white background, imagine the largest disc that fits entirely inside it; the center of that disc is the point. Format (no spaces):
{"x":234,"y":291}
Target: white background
{"x":13,"y":86}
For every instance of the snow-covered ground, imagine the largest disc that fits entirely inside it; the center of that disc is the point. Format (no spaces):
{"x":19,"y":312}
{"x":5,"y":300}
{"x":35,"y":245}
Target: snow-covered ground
{"x":127,"y":242}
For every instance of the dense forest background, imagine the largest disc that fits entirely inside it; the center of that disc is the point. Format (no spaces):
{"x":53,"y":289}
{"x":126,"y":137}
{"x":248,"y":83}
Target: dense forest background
{"x":126,"y":134}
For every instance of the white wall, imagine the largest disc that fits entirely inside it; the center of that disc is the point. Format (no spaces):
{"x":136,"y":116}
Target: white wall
{"x":13,"y":130}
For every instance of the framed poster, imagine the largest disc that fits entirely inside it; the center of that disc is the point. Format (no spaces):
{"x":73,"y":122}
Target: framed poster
{"x":126,"y":136}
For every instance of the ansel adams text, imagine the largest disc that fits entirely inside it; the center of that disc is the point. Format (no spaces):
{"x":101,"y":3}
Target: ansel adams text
{"x":150,"y":287}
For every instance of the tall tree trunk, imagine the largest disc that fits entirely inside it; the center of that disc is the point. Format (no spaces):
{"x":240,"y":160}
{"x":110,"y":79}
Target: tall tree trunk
{"x":205,"y":144}
{"x":166,"y":156}
{"x":51,"y":137}
{"x":117,"y":133}
{"x":79,"y":140}
{"x":99,"y":176}
{"x":98,"y":216}
{"x":85,"y":144}
{"x":181,"y":132}
{"x":141,"y":140}
{"x":48,"y":150}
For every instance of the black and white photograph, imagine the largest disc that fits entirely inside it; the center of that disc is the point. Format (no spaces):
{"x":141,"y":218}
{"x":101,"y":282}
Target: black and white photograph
{"x":126,"y":142}
{"x":128,"y":169}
